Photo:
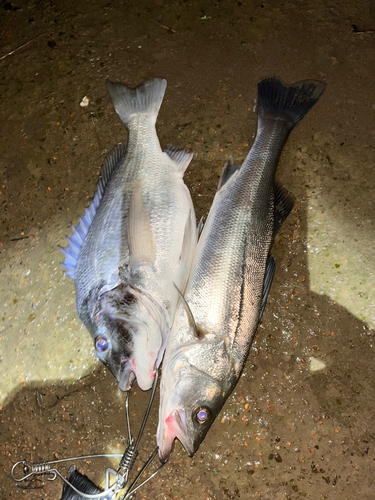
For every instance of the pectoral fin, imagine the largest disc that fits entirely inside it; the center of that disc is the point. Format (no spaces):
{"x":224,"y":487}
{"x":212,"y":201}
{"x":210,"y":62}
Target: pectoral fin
{"x":140,"y":238}
{"x":198,"y":333}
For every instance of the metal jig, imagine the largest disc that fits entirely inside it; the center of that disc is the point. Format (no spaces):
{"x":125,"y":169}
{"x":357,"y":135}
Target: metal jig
{"x":32,"y":471}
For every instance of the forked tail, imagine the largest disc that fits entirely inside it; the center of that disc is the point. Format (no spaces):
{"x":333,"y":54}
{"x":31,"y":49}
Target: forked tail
{"x":144,"y":99}
{"x":288,"y":102}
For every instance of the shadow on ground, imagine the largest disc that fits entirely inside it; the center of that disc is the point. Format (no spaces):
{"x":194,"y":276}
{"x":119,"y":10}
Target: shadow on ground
{"x":285,"y":431}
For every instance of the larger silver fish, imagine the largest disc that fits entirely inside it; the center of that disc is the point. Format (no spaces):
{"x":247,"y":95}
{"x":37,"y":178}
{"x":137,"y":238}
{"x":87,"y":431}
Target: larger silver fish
{"x":134,"y":243}
{"x":230,"y":276}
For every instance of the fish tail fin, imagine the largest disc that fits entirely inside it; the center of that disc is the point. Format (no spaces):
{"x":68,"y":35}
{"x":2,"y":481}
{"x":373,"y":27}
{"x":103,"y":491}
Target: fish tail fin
{"x":290,"y":102}
{"x":144,"y":99}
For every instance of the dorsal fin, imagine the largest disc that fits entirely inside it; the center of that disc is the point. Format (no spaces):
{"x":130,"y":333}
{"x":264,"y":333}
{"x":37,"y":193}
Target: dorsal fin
{"x":140,"y":238}
{"x":71,"y":251}
{"x":82,"y":483}
{"x":180,"y":156}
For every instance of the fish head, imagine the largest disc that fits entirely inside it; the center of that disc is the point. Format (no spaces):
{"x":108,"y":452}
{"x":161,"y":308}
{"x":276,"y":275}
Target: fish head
{"x":113,"y":346}
{"x":128,"y":336}
{"x":190,"y":399}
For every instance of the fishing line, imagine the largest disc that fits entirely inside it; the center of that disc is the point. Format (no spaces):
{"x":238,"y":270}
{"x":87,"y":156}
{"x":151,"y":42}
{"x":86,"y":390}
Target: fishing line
{"x":32,"y":471}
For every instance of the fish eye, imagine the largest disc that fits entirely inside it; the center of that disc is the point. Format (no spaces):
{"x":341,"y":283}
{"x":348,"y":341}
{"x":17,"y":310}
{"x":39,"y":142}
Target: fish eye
{"x":202,"y":415}
{"x":101,"y":344}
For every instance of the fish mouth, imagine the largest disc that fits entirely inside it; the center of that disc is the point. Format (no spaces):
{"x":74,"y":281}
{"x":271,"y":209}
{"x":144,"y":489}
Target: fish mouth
{"x":125,"y":380}
{"x":174,"y":427}
{"x":130,"y":372}
{"x":145,"y":380}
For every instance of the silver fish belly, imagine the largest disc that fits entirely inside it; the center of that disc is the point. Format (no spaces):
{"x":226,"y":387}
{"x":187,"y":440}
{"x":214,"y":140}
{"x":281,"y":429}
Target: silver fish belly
{"x":134,"y":243}
{"x":230,"y":277}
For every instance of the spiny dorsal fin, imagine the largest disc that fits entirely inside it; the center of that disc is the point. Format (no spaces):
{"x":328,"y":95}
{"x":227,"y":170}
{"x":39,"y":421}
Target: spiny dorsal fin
{"x":180,"y":156}
{"x":140,"y":238}
{"x":79,"y":232}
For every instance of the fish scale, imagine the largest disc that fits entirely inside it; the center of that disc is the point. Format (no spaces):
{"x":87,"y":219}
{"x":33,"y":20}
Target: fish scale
{"x":230,"y":276}
{"x":134,"y":243}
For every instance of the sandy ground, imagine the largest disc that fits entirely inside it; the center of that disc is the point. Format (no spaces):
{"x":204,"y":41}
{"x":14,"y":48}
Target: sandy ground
{"x":300,"y":422}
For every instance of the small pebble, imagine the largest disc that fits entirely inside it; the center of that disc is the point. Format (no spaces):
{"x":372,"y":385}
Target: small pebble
{"x":85,"y":102}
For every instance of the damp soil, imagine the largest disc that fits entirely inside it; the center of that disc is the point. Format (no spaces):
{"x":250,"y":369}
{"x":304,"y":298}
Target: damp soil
{"x":299,"y":424}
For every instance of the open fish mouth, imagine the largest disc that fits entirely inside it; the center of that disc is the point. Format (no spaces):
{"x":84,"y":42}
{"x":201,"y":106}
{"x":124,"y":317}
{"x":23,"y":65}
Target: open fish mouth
{"x":174,"y":427}
{"x":130,"y":372}
{"x":126,"y":379}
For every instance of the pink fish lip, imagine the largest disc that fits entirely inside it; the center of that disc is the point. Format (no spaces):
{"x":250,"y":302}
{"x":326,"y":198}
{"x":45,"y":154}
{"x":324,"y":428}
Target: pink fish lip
{"x":175,"y":427}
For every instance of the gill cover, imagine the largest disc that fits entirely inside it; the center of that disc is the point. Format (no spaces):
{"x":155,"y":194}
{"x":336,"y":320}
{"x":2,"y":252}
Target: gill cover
{"x":128,"y":331}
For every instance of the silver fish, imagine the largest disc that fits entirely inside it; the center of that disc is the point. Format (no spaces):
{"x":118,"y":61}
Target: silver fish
{"x":230,"y":276}
{"x":135,"y":243}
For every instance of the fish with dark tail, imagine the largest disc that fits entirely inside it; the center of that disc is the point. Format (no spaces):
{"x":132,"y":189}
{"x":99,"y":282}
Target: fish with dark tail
{"x":135,"y":243}
{"x":230,"y":276}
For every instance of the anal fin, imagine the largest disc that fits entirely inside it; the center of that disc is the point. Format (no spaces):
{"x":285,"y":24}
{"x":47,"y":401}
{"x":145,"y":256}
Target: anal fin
{"x":268,"y":277}
{"x":229,"y":169}
{"x":284,"y":202}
